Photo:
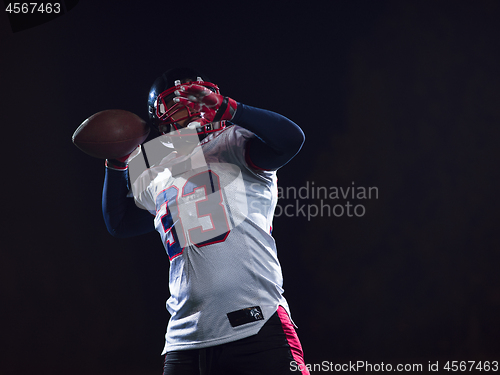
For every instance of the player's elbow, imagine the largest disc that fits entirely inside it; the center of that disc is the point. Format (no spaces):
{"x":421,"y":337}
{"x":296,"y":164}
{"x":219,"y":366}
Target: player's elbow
{"x":127,"y":226}
{"x":117,"y":234}
{"x":292,"y":143}
{"x":116,"y":231}
{"x":115,"y":227}
{"x":297,"y":140}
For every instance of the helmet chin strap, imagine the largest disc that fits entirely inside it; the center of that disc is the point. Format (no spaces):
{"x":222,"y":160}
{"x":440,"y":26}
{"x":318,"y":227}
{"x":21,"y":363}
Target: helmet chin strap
{"x":174,"y":126}
{"x":217,"y":125}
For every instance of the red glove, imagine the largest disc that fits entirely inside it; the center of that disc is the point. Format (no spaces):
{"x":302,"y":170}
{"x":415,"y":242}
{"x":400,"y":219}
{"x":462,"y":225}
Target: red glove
{"x":213,"y":106}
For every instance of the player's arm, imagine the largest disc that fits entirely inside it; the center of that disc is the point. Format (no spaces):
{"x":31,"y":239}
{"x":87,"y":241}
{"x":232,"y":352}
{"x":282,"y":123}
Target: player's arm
{"x":277,"y":141}
{"x":121,"y":215}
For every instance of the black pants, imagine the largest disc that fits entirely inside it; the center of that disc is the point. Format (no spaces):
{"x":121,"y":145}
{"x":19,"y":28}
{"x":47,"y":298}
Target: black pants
{"x":271,"y":351}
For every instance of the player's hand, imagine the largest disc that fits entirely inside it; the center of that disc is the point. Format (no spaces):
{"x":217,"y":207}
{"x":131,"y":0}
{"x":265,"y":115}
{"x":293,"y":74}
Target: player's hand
{"x":121,"y":163}
{"x":214,"y":107}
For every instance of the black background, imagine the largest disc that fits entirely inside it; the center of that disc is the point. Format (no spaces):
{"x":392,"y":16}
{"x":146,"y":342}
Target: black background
{"x":402,"y":96}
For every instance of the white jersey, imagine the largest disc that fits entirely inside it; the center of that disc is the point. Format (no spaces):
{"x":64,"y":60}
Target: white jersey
{"x":214,"y":214}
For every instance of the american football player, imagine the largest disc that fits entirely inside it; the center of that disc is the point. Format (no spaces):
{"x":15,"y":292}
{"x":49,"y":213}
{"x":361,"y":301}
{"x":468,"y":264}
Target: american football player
{"x":207,"y":184}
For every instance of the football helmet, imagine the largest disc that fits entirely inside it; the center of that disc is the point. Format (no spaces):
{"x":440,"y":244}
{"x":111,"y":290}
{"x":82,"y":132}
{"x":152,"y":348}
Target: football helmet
{"x":162,"y":108}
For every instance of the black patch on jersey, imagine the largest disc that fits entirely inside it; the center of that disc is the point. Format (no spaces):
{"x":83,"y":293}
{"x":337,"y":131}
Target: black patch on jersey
{"x":244,"y":316}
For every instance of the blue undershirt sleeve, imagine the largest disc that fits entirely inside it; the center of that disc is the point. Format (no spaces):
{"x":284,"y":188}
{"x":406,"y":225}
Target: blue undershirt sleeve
{"x":277,"y":141}
{"x":121,"y":215}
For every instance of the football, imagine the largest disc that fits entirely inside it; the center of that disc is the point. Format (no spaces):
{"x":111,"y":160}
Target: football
{"x":111,"y":134}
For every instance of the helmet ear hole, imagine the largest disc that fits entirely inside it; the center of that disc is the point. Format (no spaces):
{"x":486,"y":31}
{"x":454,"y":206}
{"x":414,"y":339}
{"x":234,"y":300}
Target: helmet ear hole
{"x":161,"y":108}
